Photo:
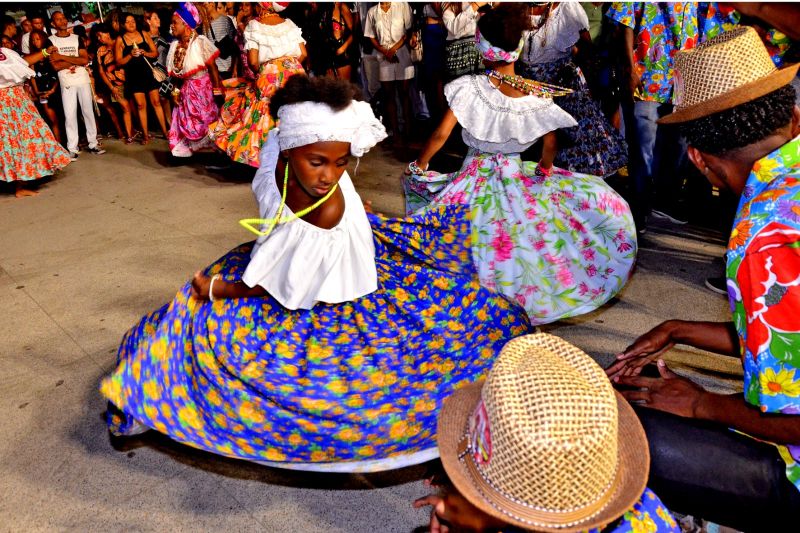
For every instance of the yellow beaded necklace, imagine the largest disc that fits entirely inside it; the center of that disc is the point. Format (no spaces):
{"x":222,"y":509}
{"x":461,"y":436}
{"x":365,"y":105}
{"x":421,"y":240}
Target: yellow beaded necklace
{"x":252,"y":224}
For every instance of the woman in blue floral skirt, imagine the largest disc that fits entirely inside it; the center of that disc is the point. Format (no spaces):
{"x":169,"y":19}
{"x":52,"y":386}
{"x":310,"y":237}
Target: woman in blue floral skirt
{"x":330,"y":342}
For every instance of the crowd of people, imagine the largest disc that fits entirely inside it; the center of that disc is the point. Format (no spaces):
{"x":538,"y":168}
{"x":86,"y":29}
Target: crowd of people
{"x":333,"y":341}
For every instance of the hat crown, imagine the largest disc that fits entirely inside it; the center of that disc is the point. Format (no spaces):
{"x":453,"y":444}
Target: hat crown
{"x":552,"y":417}
{"x":720,"y":65}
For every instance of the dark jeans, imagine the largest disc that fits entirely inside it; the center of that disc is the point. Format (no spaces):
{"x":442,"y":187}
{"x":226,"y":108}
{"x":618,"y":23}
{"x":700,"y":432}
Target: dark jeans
{"x":656,"y":154}
{"x":709,"y":471}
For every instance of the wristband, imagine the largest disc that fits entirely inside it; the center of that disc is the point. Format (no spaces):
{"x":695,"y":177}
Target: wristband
{"x":214,"y":278}
{"x":45,"y":53}
{"x":546,"y":172}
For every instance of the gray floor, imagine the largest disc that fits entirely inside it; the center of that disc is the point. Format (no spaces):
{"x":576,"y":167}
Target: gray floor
{"x":113,"y":237}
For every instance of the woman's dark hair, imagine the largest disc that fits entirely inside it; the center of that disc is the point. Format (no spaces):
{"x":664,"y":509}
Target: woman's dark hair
{"x":504,"y":25}
{"x":123,"y":17}
{"x":100,"y":27}
{"x":43,"y":35}
{"x":299,"y":88}
{"x":742,"y":125}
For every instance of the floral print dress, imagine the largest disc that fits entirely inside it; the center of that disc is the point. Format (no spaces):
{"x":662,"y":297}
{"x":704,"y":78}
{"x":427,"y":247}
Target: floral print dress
{"x":560,"y":246}
{"x":763,"y":274}
{"x":354,"y":386}
{"x":30,"y":151}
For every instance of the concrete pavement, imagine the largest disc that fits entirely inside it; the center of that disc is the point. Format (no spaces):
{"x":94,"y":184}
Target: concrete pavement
{"x":113,"y":237}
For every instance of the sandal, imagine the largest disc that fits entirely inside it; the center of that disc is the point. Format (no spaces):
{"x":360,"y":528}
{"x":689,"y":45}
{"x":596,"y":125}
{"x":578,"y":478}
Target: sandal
{"x":145,"y":140}
{"x":128,"y":140}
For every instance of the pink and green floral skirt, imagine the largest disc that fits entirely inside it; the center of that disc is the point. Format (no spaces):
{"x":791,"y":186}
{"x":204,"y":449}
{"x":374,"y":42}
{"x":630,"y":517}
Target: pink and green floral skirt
{"x":560,"y":246}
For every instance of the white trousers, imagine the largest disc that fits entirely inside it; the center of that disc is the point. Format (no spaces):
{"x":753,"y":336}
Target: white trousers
{"x":70,"y":97}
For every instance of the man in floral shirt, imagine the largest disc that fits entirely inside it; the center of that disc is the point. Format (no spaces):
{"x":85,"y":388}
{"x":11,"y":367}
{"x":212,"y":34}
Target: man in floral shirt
{"x":653,"y":33}
{"x":743,"y":130}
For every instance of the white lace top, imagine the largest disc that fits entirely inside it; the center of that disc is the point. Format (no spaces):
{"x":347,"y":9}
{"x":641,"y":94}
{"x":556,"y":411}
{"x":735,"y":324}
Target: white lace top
{"x":300,"y":264}
{"x":13,"y":69}
{"x":556,"y":38}
{"x":199,"y":53}
{"x":496,"y":123}
{"x":272,"y":42}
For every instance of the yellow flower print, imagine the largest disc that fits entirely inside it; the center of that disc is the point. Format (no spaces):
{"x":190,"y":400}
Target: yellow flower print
{"x":159,"y":349}
{"x":252,"y":371}
{"x":398,"y":430}
{"x":348,"y":435}
{"x":314,"y":404}
{"x":318,"y":456}
{"x":436,"y":343}
{"x":356,"y":402}
{"x":151,"y":389}
{"x":274,"y":455}
{"x":441,"y":283}
{"x":317,"y":352}
{"x":455,"y":326}
{"x":337,"y":386}
{"x":295,"y":439}
{"x":151,"y":411}
{"x":382,"y":379}
{"x":250,"y":413}
{"x":765,"y":170}
{"x":424,"y":405}
{"x":366,"y":451}
{"x":783,"y":382}
{"x":665,"y":516}
{"x":401,"y":295}
{"x":166,"y":411}
{"x":188,"y":415}
{"x":410,"y":279}
{"x":290,"y":370}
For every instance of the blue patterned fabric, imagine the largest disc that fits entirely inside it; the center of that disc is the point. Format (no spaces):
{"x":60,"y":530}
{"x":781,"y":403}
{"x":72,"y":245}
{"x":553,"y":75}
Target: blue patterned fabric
{"x":648,"y":515}
{"x":351,"y":382}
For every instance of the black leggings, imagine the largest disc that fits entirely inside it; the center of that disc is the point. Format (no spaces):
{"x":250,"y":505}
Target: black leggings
{"x":709,"y":471}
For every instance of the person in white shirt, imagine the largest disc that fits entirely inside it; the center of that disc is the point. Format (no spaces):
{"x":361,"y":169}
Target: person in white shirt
{"x":387,"y":26}
{"x":70,"y":61}
{"x":461,"y":21}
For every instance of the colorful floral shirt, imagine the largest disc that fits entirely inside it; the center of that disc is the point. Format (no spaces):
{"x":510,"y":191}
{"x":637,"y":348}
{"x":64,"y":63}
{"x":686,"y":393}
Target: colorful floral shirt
{"x":648,"y":515}
{"x":776,"y":42}
{"x":764,"y":287}
{"x":661,"y":29}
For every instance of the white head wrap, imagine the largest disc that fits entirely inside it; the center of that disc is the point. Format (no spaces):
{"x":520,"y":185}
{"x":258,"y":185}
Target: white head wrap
{"x":310,"y":122}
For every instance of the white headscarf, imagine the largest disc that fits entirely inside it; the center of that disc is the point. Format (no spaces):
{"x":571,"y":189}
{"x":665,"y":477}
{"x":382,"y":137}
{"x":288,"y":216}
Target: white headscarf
{"x":310,"y":122}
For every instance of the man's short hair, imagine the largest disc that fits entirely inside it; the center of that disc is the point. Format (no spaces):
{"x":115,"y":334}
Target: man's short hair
{"x":742,"y":125}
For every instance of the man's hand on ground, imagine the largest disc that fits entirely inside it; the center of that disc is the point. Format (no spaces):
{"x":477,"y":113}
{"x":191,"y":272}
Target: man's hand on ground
{"x":670,"y":392}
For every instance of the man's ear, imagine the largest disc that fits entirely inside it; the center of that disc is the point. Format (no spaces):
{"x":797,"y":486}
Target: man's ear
{"x":697,"y":159}
{"x":795,"y":122}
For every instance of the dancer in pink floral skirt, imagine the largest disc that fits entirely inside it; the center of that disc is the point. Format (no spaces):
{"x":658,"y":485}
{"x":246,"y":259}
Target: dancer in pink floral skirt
{"x":559,"y":243}
{"x":191,"y":59}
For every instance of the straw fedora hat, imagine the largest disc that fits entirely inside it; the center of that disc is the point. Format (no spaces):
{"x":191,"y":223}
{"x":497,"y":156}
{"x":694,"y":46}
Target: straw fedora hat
{"x":545,"y":443}
{"x":728,"y":70}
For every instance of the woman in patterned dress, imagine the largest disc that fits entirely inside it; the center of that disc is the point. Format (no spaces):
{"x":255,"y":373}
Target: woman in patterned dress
{"x":593,"y":146}
{"x":29,"y":150}
{"x":330,"y":343}
{"x":559,"y":243}
{"x":276,"y":50}
{"x":191,"y":58}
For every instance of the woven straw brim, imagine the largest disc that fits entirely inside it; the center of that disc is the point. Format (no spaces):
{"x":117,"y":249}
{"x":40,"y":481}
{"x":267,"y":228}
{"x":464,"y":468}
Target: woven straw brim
{"x":744,"y":93}
{"x":630,"y":482}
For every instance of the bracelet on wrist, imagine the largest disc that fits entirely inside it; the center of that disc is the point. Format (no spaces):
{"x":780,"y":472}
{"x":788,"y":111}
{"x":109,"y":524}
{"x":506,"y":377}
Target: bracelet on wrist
{"x":214,"y":278}
{"x":45,"y":53}
{"x":542,"y":171}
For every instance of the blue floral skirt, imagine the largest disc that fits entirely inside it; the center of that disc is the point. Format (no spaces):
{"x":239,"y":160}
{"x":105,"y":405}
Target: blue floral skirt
{"x":594,"y":146}
{"x":350,"y":387}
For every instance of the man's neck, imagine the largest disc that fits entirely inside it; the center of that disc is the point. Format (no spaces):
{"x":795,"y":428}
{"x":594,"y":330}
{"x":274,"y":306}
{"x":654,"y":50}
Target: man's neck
{"x":62,"y":33}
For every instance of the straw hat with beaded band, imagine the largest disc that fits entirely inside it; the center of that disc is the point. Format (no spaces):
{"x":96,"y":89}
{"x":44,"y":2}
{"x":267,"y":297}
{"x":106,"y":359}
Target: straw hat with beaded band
{"x":545,"y":443}
{"x":728,"y":70}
